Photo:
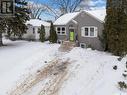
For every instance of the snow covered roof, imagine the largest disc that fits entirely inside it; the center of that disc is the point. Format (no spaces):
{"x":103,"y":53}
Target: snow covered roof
{"x":97,"y":14}
{"x":63,"y":20}
{"x":37,"y":22}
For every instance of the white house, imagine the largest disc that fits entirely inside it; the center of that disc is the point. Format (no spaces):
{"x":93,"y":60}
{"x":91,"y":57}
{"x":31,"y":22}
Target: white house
{"x":33,"y":25}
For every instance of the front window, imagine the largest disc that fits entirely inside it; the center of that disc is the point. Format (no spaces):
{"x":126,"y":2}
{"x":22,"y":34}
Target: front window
{"x":58,"y":29}
{"x":58,"y":32}
{"x":86,"y":31}
{"x":61,"y":30}
{"x":89,"y":31}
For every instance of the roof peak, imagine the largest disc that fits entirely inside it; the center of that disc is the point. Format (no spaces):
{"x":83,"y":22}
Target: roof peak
{"x":98,"y":14}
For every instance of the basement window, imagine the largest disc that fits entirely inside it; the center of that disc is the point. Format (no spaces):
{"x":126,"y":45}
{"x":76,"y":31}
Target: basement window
{"x":60,"y":41}
{"x":82,"y":45}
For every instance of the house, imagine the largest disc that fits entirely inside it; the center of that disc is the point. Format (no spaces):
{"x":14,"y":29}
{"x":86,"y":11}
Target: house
{"x":33,"y":25}
{"x":85,"y":28}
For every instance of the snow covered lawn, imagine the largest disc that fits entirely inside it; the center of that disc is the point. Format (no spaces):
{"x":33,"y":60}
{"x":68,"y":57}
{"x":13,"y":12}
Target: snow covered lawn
{"x":90,"y":72}
{"x":21,"y":57}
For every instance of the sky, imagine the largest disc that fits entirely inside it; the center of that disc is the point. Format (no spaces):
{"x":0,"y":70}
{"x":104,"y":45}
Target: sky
{"x":98,"y":3}
{"x":95,"y":4}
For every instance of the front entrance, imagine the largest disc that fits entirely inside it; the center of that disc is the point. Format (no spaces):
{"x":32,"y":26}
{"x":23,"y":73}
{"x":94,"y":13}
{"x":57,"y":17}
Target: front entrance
{"x":72,"y":35}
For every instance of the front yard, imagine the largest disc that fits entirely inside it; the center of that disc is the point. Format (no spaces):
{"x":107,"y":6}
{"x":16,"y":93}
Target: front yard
{"x":87,"y":72}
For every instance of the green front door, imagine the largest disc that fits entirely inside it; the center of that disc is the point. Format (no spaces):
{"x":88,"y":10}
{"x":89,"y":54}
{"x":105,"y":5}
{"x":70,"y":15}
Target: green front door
{"x":71,"y":36}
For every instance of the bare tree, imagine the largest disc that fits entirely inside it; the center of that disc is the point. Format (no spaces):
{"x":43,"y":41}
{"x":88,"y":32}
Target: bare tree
{"x":60,"y":7}
{"x":55,"y":8}
{"x":36,"y":8}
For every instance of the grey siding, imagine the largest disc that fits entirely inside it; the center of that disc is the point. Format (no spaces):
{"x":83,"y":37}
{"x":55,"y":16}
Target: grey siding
{"x":62,"y":37}
{"x":84,"y":19}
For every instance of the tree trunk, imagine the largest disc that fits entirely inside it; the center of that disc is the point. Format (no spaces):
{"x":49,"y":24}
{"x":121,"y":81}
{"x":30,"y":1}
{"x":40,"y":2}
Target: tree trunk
{"x":1,"y":42}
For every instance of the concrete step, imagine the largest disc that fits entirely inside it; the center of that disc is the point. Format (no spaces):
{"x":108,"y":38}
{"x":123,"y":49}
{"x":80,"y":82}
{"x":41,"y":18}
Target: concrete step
{"x":67,"y":46}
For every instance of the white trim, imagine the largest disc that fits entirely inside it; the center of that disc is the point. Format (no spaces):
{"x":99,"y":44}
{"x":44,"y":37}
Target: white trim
{"x":61,"y":30}
{"x":83,"y":31}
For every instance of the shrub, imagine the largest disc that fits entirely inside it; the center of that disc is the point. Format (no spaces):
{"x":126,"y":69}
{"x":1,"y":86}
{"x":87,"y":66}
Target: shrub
{"x":122,"y":85}
{"x":42,"y":33}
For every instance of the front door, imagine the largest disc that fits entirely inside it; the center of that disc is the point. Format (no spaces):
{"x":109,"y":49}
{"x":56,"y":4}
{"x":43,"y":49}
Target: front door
{"x":72,"y":35}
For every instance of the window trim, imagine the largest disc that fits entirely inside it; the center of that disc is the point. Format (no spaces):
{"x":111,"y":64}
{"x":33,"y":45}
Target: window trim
{"x":95,"y":31}
{"x":61,"y":32}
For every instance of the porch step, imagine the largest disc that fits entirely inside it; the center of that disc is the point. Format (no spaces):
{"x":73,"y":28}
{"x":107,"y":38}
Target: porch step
{"x":67,"y":46}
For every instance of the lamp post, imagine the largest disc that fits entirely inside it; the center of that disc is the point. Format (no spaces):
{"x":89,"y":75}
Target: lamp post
{"x":7,"y":8}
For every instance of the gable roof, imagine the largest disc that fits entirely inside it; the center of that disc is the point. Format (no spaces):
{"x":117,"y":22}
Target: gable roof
{"x":37,"y":22}
{"x":63,"y":20}
{"x":97,"y":14}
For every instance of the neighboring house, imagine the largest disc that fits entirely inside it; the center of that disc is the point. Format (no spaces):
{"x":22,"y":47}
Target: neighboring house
{"x":85,"y":28}
{"x":33,"y":25}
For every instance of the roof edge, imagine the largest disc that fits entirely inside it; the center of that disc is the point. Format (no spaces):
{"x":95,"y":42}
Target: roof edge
{"x":69,"y":20}
{"x":93,"y":17}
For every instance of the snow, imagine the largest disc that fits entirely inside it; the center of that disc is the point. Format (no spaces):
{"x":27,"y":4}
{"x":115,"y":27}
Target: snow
{"x":37,"y":22}
{"x":19,"y":58}
{"x":63,"y":20}
{"x":90,"y":72}
{"x":97,"y":14}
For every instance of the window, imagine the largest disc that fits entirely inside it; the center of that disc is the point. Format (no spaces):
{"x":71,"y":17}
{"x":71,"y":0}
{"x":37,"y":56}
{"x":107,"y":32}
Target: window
{"x":58,"y":29}
{"x":89,"y":31}
{"x":82,"y":45}
{"x":60,"y":41}
{"x":58,"y":32}
{"x":61,"y":30}
{"x":86,"y":31}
